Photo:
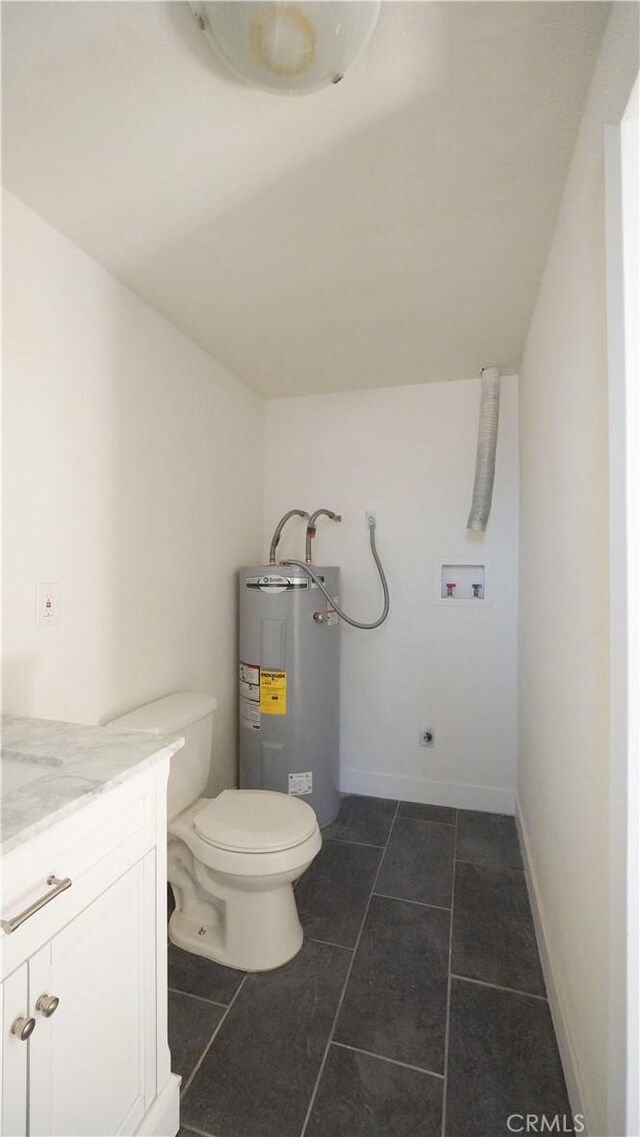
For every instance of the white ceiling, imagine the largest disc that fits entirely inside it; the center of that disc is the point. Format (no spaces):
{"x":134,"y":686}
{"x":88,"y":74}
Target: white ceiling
{"x":392,"y":229}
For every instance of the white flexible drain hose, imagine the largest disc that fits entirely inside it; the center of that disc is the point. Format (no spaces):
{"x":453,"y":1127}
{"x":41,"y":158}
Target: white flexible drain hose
{"x":486,"y":452}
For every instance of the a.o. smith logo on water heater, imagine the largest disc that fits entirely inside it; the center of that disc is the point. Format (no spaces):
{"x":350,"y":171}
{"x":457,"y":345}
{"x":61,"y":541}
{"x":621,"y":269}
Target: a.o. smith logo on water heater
{"x":275,"y":583}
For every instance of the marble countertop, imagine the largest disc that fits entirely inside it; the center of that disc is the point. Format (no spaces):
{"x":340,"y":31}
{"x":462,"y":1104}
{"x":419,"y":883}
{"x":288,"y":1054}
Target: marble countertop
{"x":51,"y":769}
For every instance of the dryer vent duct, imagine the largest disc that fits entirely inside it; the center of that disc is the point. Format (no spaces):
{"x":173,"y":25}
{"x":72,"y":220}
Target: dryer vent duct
{"x":486,"y":453}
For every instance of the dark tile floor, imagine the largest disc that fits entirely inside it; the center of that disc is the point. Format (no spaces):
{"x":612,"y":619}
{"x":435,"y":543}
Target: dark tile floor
{"x":416,"y":1007}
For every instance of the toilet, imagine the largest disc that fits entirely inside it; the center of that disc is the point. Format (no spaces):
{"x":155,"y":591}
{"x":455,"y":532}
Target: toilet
{"x":232,"y":859}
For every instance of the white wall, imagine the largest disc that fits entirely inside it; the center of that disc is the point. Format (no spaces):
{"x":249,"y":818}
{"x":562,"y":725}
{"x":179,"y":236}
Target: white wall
{"x":408,"y":454}
{"x":622,"y":192}
{"x":133,"y":472}
{"x":563,"y":780}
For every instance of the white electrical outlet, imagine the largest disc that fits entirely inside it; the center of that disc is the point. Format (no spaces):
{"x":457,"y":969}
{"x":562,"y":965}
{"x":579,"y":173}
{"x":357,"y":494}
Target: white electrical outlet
{"x":47,"y":605}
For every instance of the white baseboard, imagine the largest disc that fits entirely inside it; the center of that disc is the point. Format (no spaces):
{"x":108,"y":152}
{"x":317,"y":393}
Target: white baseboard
{"x":575,"y":1089}
{"x":489,"y":799}
{"x":162,"y":1119}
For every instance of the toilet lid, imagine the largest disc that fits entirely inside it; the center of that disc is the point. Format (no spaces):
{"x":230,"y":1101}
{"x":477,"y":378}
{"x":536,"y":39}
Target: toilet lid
{"x":255,"y":821}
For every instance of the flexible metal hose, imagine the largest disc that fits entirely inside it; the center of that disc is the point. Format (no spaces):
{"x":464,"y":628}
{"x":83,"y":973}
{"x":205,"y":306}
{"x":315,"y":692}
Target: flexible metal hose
{"x":311,"y":529}
{"x":343,"y":615}
{"x":275,"y":540}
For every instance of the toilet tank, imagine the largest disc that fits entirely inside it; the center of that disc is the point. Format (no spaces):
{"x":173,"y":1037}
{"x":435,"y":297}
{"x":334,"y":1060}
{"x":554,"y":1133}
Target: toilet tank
{"x":191,"y":716}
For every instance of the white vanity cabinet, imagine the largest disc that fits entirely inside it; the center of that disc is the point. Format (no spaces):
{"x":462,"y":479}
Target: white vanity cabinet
{"x":84,"y":976}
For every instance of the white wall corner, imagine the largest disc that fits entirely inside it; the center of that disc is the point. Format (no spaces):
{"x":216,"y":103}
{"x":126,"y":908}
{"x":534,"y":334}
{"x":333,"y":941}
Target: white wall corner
{"x":566,"y":1046}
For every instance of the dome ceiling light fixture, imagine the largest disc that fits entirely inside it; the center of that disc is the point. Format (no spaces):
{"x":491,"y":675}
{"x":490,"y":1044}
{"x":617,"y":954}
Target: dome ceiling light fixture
{"x":288,"y":48}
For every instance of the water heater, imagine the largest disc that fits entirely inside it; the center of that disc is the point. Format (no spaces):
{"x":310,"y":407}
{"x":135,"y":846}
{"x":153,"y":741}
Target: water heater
{"x":289,"y":694}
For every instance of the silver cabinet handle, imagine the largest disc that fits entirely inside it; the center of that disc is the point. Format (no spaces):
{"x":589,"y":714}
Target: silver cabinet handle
{"x":47,"y":1005}
{"x":59,"y":886}
{"x":22,"y":1028}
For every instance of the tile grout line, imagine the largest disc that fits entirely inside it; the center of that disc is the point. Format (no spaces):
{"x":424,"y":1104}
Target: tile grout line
{"x":499,"y":987}
{"x":328,"y":943}
{"x":361,"y":844}
{"x":484,"y":865}
{"x":199,"y":1132}
{"x":393,"y":1061}
{"x":426,"y":821}
{"x":201,"y":998}
{"x":346,"y":981}
{"x":445,"y":1081}
{"x":405,"y":900}
{"x":212,"y":1039}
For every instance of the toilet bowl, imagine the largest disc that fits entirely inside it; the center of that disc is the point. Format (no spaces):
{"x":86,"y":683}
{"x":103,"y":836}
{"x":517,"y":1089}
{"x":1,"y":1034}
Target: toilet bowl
{"x":232,"y":860}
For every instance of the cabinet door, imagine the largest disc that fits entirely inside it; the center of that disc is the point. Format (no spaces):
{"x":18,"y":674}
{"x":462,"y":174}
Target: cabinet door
{"x":92,"y":1062}
{"x":15,"y":1004}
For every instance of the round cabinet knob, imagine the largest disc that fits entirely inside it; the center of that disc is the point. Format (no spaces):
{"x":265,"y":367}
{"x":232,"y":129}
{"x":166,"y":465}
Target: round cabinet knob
{"x":22,"y":1028}
{"x":47,"y":1005}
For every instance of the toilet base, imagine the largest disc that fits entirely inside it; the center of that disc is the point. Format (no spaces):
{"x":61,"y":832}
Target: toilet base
{"x":264,"y":953}
{"x":206,"y":940}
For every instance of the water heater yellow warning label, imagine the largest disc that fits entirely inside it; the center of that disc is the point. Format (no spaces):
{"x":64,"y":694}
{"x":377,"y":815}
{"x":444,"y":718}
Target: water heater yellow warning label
{"x":273,"y":692}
